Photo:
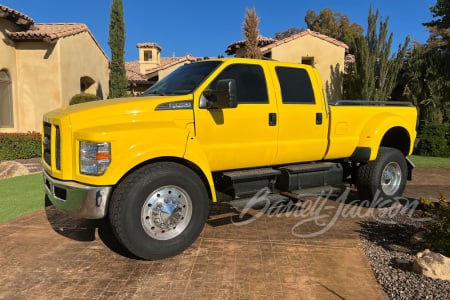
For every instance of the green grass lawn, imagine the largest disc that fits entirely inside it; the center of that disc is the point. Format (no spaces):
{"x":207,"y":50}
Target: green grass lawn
{"x":428,"y":161}
{"x":20,"y":195}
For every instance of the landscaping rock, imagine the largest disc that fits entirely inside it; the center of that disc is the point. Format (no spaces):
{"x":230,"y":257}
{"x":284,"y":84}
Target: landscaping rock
{"x":392,"y":266}
{"x":11,"y":169}
{"x":433,"y":265}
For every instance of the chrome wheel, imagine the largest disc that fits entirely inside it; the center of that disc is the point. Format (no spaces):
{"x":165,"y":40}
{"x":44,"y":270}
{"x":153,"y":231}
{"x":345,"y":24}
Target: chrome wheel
{"x":166,"y":212}
{"x":391,"y":178}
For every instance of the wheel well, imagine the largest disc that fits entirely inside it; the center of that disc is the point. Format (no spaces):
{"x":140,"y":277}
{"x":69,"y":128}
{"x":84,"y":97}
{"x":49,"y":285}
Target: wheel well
{"x":180,"y":161}
{"x":397,"y":137}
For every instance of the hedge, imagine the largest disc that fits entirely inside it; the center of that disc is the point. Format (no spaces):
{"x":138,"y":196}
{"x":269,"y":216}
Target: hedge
{"x":20,"y":145}
{"x":82,"y":98}
{"x":434,"y":140}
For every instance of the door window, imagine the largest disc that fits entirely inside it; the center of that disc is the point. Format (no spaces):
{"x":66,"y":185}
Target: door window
{"x":295,"y":85}
{"x":250,"y":82}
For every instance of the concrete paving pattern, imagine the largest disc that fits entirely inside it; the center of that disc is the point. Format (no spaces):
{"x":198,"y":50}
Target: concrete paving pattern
{"x":303,"y":250}
{"x":49,"y":255}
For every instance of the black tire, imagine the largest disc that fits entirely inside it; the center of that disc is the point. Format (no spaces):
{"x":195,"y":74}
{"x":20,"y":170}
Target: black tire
{"x":159,"y":210}
{"x":383,"y":179}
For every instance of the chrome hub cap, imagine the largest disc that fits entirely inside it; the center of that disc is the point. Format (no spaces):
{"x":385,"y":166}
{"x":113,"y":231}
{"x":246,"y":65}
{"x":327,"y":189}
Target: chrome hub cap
{"x":166,"y":212}
{"x":391,"y":178}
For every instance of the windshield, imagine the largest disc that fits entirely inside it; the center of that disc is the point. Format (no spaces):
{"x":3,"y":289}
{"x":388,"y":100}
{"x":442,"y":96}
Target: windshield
{"x":183,"y":80}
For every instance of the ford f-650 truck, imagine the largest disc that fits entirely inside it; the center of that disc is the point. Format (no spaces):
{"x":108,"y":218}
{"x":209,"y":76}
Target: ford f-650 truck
{"x":228,"y":127}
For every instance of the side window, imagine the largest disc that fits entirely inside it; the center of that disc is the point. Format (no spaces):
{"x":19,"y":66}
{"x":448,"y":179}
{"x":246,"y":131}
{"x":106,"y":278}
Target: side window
{"x":295,"y":85}
{"x":250,"y":82}
{"x":6,"y":105}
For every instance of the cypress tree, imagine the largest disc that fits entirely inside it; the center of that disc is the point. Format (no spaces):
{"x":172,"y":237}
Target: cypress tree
{"x":117,"y":77}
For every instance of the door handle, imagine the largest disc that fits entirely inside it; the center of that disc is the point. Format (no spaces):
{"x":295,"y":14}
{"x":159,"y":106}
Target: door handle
{"x":318,"y":118}
{"x":272,"y":119}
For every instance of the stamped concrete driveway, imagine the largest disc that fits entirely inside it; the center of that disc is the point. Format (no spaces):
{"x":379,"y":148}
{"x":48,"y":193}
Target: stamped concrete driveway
{"x":49,"y":255}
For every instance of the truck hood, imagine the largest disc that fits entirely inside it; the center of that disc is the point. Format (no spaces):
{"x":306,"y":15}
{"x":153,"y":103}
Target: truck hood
{"x":137,"y":111}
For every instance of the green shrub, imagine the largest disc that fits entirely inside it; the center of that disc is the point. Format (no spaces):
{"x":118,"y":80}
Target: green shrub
{"x":82,"y":98}
{"x":20,"y":145}
{"x":434,"y":140}
{"x":439,"y":233}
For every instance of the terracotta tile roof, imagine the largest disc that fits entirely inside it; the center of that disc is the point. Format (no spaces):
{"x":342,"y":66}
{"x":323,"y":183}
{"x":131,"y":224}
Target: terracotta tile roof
{"x":268,"y":43}
{"x":262,"y":41}
{"x":133,"y":69}
{"x":15,"y":16}
{"x":49,"y":32}
{"x":170,"y":63}
{"x":149,"y":45}
{"x":133,"y":72}
{"x":302,"y":34}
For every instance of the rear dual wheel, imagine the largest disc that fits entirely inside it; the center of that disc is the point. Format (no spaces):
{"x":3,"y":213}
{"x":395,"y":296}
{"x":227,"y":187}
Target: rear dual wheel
{"x":383,"y":179}
{"x":159,"y":210}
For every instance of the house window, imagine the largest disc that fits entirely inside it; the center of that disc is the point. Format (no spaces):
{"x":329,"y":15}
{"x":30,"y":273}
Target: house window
{"x":295,"y":85}
{"x":86,"y":84}
{"x":6,"y":104}
{"x":308,"y":60}
{"x":148,"y":55}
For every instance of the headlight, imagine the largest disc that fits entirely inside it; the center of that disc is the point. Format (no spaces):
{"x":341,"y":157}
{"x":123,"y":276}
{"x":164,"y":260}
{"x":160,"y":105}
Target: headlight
{"x":94,"y":157}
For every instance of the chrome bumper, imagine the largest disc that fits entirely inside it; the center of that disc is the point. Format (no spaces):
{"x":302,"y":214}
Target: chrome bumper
{"x":90,"y":202}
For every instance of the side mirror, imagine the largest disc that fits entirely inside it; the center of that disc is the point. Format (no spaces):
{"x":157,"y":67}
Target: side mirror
{"x":224,"y":96}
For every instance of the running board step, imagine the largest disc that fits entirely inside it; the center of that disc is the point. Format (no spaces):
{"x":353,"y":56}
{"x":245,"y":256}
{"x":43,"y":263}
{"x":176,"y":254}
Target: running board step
{"x":296,"y":177}
{"x":243,"y":175}
{"x":246,"y":183}
{"x":308,"y":167}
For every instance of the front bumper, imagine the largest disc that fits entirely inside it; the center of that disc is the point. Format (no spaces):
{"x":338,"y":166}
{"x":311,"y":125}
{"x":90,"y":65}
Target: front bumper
{"x":90,"y":202}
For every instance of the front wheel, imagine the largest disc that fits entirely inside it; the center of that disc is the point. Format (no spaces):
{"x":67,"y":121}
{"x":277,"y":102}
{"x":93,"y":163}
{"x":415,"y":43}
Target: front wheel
{"x":159,"y":210}
{"x":383,"y":179}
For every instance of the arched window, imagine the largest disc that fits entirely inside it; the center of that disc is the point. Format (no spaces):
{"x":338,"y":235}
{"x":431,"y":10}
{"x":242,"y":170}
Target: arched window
{"x":6,"y":104}
{"x":86,"y":85}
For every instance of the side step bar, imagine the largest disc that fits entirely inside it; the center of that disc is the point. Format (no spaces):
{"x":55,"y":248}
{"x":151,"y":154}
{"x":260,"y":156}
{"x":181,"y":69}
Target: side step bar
{"x":242,"y":175}
{"x":248,"y":182}
{"x":309,"y":167}
{"x":296,"y":177}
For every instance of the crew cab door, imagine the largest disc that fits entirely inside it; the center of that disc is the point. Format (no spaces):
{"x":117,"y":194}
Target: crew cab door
{"x":303,"y":122}
{"x":244,"y":136}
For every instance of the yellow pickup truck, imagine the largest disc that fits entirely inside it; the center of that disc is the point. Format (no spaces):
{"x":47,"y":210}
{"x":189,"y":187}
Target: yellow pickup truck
{"x":214,"y":130}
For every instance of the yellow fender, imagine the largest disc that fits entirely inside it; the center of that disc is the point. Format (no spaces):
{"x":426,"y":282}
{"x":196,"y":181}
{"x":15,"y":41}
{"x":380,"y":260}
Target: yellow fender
{"x":195,"y":154}
{"x":376,"y":128}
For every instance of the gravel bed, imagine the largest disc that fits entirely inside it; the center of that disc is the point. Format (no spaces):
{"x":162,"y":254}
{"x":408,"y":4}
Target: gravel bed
{"x":391,"y":244}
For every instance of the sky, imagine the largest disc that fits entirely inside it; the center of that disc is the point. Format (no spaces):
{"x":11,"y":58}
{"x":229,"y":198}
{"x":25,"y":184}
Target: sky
{"x":206,"y":28}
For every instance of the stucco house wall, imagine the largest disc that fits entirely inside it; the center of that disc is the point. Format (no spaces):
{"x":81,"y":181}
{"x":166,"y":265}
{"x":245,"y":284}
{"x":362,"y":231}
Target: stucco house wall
{"x":47,"y":64}
{"x":328,"y":59}
{"x":8,"y":64}
{"x":38,"y":84}
{"x":92,"y":63}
